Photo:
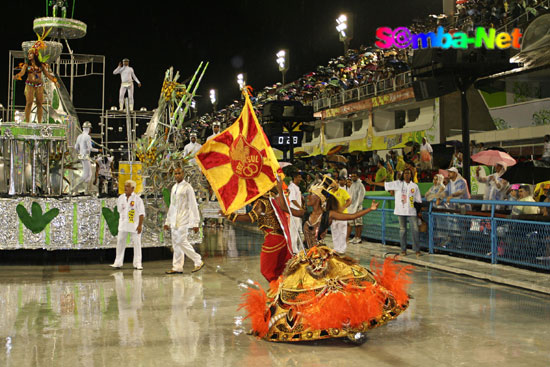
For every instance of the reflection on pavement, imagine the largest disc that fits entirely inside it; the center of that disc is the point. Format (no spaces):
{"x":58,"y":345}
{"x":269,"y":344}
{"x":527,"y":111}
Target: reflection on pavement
{"x":91,"y":316}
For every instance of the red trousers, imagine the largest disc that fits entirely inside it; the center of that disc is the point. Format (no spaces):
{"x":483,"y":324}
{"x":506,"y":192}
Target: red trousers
{"x":274,"y":256}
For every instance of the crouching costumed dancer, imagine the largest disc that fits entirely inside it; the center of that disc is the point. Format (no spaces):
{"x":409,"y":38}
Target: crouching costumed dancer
{"x":322,"y":294}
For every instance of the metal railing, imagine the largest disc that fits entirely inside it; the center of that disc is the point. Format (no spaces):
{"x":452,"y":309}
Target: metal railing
{"x":487,"y":235}
{"x":400,"y":81}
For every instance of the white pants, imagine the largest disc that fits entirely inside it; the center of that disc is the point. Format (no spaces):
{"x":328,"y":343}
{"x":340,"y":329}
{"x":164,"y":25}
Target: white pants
{"x":86,"y":174}
{"x":182,"y":247}
{"x":295,"y":226}
{"x":339,"y":230}
{"x":121,"y":246}
{"x":121,"y":94}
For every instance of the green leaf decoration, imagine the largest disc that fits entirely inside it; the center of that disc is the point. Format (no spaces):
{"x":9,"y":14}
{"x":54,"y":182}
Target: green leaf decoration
{"x":166,"y":193}
{"x":43,"y":59}
{"x":55,"y":100}
{"x":51,"y":120}
{"x":36,"y":221}
{"x":112,"y":218}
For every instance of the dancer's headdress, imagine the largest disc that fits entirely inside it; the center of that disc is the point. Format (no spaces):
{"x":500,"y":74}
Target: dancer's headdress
{"x":321,"y":190}
{"x":41,"y":45}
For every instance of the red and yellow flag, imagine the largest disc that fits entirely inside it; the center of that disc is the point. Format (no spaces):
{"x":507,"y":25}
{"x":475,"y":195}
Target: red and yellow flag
{"x":239,"y":163}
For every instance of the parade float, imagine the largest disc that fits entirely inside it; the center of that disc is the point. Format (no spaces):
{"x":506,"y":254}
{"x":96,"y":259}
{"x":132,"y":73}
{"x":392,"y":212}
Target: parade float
{"x":39,"y":167}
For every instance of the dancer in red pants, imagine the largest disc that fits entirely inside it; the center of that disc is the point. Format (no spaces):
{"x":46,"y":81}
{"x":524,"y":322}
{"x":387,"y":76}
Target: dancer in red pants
{"x":269,"y":211}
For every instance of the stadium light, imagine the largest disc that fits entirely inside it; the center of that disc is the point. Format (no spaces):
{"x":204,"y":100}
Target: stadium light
{"x":241,"y":80}
{"x":344,"y":26}
{"x":214,"y":98}
{"x":283,"y":62}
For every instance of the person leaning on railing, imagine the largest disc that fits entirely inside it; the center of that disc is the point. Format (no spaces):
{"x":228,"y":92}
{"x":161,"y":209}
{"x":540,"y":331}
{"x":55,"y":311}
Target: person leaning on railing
{"x":524,"y":194}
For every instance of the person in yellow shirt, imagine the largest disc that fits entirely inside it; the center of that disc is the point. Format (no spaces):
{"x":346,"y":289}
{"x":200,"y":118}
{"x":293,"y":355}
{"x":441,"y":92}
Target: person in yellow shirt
{"x":339,"y":228}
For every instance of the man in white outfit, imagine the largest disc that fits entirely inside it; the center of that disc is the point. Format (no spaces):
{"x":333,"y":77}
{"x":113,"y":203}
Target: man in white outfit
{"x":215,"y":130}
{"x":83,"y":147}
{"x":357,"y":193}
{"x":182,"y":215}
{"x":295,"y":197}
{"x":191,"y":148}
{"x":127,"y":77}
{"x":132,"y":212}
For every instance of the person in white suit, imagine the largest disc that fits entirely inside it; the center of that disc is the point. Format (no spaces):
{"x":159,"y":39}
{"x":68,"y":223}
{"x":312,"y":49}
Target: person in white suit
{"x":83,"y":147}
{"x":127,"y":78}
{"x":191,"y":148}
{"x":182,"y":215}
{"x":132,"y":212}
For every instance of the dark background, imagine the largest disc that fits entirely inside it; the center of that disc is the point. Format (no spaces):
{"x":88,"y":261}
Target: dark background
{"x":235,"y":36}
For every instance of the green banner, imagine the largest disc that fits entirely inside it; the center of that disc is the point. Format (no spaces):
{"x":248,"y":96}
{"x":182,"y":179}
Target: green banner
{"x":75,"y":223}
{"x":47,"y":226}
{"x":101,"y":224}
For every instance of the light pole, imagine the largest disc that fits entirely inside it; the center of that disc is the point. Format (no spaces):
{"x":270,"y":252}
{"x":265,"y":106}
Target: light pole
{"x":344,"y":26}
{"x":283,"y":62}
{"x":214,"y":98}
{"x":241,"y":80}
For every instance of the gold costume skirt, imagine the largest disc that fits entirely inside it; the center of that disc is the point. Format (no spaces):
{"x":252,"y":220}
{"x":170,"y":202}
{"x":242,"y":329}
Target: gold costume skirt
{"x":324,"y":295}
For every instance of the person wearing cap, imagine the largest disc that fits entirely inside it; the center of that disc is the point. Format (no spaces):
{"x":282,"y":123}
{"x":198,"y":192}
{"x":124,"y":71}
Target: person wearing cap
{"x":192,"y":147}
{"x":215,"y":130}
{"x":83,"y":147}
{"x":132,"y":212}
{"x":457,"y":188}
{"x":127,"y":78}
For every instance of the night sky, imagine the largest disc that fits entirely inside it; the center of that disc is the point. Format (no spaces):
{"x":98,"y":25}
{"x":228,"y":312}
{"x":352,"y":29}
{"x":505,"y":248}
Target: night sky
{"x":235,"y":36}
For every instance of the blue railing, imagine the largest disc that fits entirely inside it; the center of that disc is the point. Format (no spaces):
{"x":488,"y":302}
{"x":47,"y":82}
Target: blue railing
{"x":500,"y":240}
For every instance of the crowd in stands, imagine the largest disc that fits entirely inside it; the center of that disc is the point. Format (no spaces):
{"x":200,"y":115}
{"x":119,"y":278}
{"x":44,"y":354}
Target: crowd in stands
{"x":367,"y":65}
{"x":447,"y":180}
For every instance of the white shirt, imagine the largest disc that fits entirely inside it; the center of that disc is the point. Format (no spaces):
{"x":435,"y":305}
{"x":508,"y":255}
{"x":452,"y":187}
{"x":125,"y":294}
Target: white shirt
{"x":546,"y":149}
{"x":130,"y":209}
{"x":183,"y":211}
{"x":406,"y":194}
{"x":191,"y":149}
{"x":427,"y":147}
{"x":357,"y":193}
{"x":83,"y":145}
{"x":294,"y":195}
{"x":127,"y":74}
{"x":214,"y":135}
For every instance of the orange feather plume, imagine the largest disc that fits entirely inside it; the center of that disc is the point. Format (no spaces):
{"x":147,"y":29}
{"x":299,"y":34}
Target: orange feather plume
{"x":393,"y":277}
{"x":254,"y":302}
